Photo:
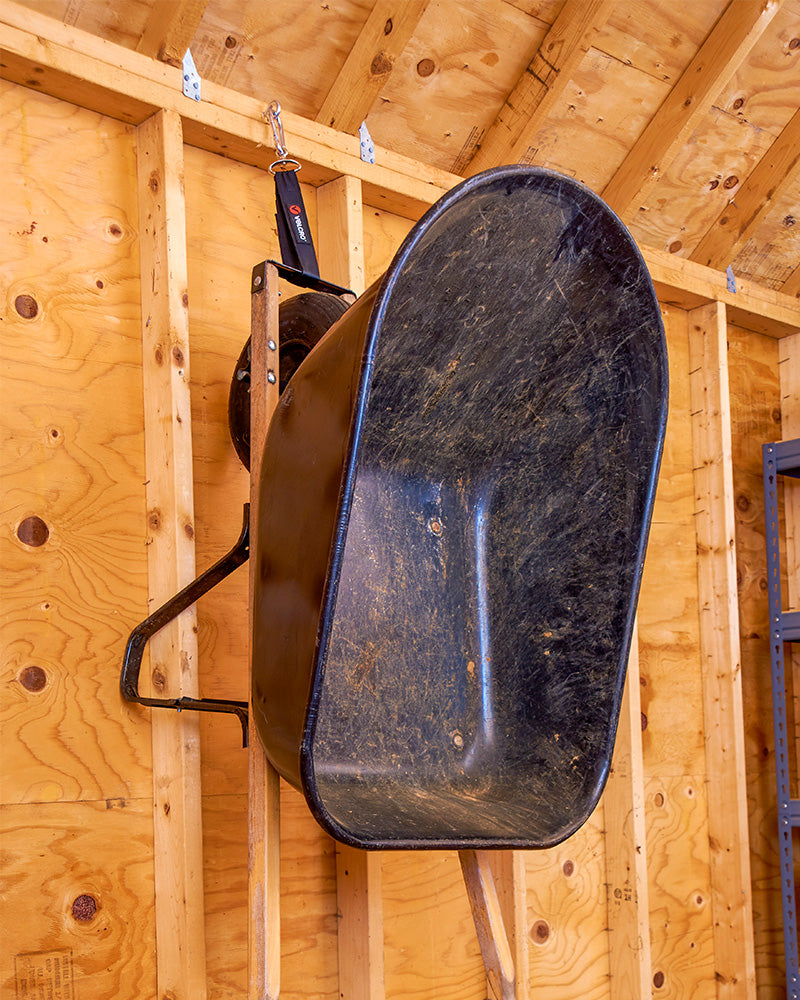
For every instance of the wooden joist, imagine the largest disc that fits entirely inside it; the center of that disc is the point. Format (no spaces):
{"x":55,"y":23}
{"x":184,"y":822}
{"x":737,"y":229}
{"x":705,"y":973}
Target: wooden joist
{"x":626,"y":864}
{"x":177,"y":815}
{"x":729,"y":840}
{"x":40,"y":52}
{"x":170,"y":29}
{"x":542,"y":84}
{"x":264,"y":827}
{"x":387,"y":30}
{"x":775,"y":173}
{"x":732,"y":38}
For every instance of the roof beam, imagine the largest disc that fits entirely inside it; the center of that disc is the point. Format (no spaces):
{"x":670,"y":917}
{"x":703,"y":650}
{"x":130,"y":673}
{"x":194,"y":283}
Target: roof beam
{"x":792,"y":284}
{"x":776,"y":171}
{"x":385,"y":34}
{"x":728,"y":45}
{"x":542,"y":84}
{"x":170,"y":29}
{"x":73,"y":65}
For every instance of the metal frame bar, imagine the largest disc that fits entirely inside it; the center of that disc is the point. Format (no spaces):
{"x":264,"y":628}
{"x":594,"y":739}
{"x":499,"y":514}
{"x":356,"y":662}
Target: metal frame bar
{"x":782,"y":458}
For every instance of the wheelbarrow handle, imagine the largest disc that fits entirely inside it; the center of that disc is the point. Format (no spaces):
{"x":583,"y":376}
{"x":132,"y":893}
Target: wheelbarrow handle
{"x":144,"y":631}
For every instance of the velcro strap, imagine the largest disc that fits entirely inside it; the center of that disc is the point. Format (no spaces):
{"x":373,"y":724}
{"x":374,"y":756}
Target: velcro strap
{"x":294,"y":232}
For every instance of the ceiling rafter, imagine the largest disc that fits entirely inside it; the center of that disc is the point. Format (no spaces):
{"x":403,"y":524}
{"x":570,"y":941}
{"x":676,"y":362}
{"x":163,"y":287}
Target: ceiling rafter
{"x":731,"y":40}
{"x":170,"y":29}
{"x":385,"y":34}
{"x":792,"y":284}
{"x":541,"y":85}
{"x":773,"y":175}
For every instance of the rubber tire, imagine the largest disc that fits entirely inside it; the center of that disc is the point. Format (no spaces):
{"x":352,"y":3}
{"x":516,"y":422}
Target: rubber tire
{"x":302,"y":322}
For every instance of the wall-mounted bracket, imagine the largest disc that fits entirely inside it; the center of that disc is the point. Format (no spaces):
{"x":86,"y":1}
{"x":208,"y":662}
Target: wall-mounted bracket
{"x":191,"y":78}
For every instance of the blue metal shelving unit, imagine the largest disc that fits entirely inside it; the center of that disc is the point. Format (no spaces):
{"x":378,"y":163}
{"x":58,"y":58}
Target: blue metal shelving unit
{"x":782,"y":458}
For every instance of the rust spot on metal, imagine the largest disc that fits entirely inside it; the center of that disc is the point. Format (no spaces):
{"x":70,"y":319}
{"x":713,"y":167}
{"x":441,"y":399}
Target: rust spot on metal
{"x":33,"y":678}
{"x":26,"y":306}
{"x":33,"y":531}
{"x":84,"y":908}
{"x":425,"y":67}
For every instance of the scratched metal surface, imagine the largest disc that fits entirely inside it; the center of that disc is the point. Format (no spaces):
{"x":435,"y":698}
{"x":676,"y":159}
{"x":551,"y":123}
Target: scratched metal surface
{"x":475,"y":615}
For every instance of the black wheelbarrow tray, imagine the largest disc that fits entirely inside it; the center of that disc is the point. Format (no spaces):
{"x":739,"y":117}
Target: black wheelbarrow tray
{"x":454,"y":505}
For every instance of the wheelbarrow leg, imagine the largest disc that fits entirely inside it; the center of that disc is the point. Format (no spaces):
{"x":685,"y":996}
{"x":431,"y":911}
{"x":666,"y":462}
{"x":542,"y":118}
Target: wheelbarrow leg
{"x":264,"y":928}
{"x":488,"y":917}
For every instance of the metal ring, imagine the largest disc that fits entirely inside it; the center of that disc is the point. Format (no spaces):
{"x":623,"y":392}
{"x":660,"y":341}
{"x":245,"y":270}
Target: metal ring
{"x":284,"y":165}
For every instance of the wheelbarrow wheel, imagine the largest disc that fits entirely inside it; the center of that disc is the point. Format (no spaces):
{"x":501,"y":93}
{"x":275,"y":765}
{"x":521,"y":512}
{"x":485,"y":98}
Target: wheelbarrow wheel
{"x":302,"y":323}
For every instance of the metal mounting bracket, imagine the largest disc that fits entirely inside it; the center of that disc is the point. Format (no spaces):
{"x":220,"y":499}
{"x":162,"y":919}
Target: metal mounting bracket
{"x":191,"y":78}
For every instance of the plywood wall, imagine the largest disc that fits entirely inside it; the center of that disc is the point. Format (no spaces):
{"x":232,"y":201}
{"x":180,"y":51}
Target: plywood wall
{"x":76,"y":794}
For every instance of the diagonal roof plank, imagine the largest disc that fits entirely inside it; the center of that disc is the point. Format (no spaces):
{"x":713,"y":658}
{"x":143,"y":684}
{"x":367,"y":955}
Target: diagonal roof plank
{"x":541,"y":85}
{"x":729,"y":43}
{"x":776,"y":171}
{"x":382,"y":39}
{"x":170,"y":29}
{"x":792,"y":284}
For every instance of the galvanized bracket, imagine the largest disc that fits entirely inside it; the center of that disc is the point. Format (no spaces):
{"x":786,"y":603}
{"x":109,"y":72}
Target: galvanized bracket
{"x":367,"y":145}
{"x":141,"y":635}
{"x":191,"y":78}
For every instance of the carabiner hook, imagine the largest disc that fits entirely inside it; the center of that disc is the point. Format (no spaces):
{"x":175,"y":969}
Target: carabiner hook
{"x":284,"y":161}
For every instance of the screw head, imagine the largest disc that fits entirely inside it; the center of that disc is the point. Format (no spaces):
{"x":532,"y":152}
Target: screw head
{"x":257,"y":280}
{"x":271,"y":376}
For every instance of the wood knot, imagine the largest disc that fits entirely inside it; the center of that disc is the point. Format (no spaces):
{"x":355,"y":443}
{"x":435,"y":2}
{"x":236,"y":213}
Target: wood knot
{"x":159,"y":680}
{"x":33,"y":531}
{"x":425,"y":67}
{"x":154,"y":519}
{"x":540,"y":932}
{"x":84,"y":908}
{"x":177,"y":356}
{"x":381,"y":64}
{"x":26,"y":306}
{"x":33,"y":678}
{"x":154,"y":182}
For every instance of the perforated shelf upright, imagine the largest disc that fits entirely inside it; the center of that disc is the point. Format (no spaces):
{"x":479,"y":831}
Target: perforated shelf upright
{"x":782,"y":458}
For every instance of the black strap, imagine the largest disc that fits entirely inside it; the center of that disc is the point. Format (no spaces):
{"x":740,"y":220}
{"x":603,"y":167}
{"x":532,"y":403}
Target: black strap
{"x":294,"y":232}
